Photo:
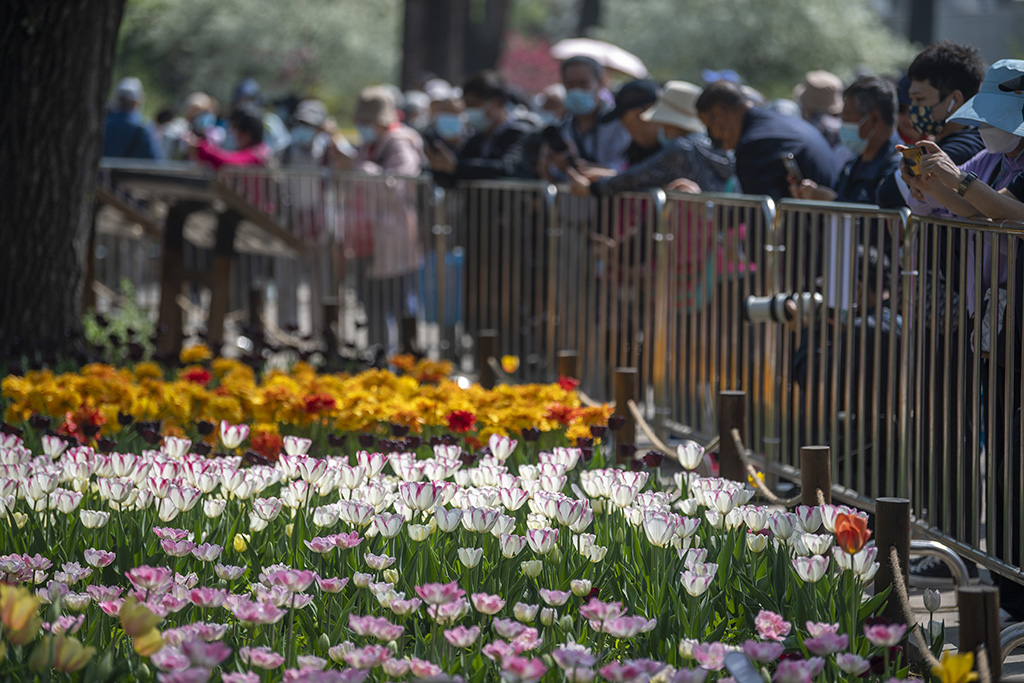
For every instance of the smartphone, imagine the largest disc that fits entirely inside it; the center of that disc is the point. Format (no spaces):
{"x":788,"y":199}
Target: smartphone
{"x":912,"y":158}
{"x":792,"y":169}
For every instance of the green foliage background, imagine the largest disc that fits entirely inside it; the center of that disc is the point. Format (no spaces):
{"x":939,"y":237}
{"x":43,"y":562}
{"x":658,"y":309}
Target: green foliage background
{"x":332,"y":48}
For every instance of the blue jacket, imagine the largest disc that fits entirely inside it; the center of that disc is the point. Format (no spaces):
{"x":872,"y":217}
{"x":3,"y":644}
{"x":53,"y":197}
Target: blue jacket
{"x":127,"y":135}
{"x":768,"y":135}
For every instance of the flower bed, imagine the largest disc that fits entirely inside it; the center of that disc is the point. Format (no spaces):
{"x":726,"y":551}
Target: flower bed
{"x":520,"y":561}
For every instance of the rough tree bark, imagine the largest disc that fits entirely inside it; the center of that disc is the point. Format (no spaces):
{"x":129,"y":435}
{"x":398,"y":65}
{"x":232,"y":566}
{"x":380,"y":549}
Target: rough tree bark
{"x":56,"y":58}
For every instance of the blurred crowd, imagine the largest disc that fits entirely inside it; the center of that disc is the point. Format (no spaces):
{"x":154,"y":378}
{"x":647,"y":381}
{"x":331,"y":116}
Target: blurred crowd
{"x":831,"y":141}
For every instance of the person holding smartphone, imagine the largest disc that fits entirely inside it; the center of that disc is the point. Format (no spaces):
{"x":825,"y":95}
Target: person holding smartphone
{"x":868,"y":130}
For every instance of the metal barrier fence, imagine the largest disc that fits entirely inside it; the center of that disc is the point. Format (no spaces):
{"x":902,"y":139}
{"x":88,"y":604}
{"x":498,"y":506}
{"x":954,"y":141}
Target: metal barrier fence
{"x":896,"y":353}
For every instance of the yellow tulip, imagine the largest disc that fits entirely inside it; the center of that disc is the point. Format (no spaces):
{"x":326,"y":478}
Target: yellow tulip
{"x":25,"y":634}
{"x":510,"y":364}
{"x":957,"y":668}
{"x":136,"y":618}
{"x":17,"y":607}
{"x":240,"y":543}
{"x":149,"y":643}
{"x":63,"y":653}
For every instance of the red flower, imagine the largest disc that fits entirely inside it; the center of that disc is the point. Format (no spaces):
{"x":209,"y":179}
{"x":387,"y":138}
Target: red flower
{"x":268,"y":445}
{"x":561,"y":413}
{"x":82,"y":424}
{"x":316,"y":404}
{"x":851,"y":532}
{"x":568,"y":383}
{"x":461,"y":421}
{"x":197,"y":374}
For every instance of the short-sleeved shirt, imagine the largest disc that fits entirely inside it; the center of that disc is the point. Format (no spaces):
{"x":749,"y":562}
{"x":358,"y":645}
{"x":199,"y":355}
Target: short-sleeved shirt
{"x":767,"y":136}
{"x":1016,"y":187}
{"x":959,"y":146}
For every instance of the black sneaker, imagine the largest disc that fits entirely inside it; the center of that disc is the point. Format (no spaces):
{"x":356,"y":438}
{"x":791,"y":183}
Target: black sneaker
{"x":929,"y":571}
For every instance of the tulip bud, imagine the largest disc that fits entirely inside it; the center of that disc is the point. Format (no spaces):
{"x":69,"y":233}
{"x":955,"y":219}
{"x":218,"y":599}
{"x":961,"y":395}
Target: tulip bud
{"x":547,"y":616}
{"x":391,"y":576}
{"x":20,"y":519}
{"x":324,"y":642}
{"x":239,"y":543}
{"x":532,"y":568}
{"x":555,"y":555}
{"x":580,"y":587}
{"x":932,"y":600}
{"x":143,"y":671}
{"x":565,"y":623}
{"x":149,"y":643}
{"x":288,"y":529}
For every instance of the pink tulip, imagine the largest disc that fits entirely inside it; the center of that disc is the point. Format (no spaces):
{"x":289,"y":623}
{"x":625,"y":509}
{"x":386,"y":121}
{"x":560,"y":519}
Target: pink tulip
{"x":207,"y":552}
{"x":595,"y":610}
{"x":542,"y":541}
{"x":497,"y":650}
{"x":798,"y":670}
{"x":296,"y":445}
{"x":885,"y":636}
{"x":320,"y":544}
{"x":502,"y":446}
{"x":419,"y":495}
{"x":257,"y":613}
{"x":518,"y":669}
{"x":827,"y":644}
{"x":631,"y":670}
{"x":206,"y":655}
{"x":808,"y":518}
{"x":440,"y":593}
{"x":367,"y":657}
{"x":763,"y":652}
{"x":479,"y":520}
{"x":111,"y":608}
{"x":625,"y":627}
{"x":228,"y":572}
{"x":771,"y":626}
{"x":294,"y":580}
{"x":810,"y":569}
{"x":395,"y":668}
{"x":331,"y":585}
{"x":207,"y":598}
{"x":487,"y":604}
{"x":512,"y":498}
{"x":403,"y":607}
{"x":572,"y":656}
{"x":818,"y":629}
{"x":449,"y":613}
{"x":378,"y":562}
{"x":423,"y":668}
{"x":150,"y":579}
{"x":240,"y":677}
{"x":511,"y":545}
{"x":554,"y":598}
{"x":171,"y":659}
{"x":99,"y":558}
{"x":372,"y":463}
{"x":507,"y":628}
{"x":710,"y":656}
{"x":104,"y":593}
{"x":852,"y":664}
{"x":349,"y":540}
{"x":462,"y":637}
{"x":169,"y":533}
{"x":260,"y":657}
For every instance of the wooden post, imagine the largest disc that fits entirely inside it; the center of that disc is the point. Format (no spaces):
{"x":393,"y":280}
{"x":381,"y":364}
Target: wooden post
{"x":815,"y":474}
{"x":625,"y":390}
{"x":732,"y":414}
{"x":892,"y":530}
{"x":568,"y":364}
{"x":486,"y":348}
{"x":407,"y":334}
{"x":979,"y":624}
{"x":256,"y":308}
{"x":330,"y":309}
{"x":172,"y":277}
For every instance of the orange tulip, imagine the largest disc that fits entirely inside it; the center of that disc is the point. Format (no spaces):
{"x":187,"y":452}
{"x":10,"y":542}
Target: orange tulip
{"x":851,"y":532}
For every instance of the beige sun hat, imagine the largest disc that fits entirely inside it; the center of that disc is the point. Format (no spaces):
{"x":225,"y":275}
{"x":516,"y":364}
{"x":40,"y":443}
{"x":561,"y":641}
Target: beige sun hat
{"x":821,"y":92}
{"x":677,"y":106}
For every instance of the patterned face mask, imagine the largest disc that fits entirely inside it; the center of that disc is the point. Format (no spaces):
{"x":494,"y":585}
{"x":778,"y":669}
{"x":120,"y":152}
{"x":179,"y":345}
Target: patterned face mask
{"x":923,"y":120}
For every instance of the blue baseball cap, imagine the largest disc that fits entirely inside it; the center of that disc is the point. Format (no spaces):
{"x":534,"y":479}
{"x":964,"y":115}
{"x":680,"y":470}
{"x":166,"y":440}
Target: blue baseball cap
{"x":994,"y":105}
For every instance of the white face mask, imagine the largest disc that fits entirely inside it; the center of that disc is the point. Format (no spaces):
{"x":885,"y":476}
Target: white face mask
{"x":997,"y":140}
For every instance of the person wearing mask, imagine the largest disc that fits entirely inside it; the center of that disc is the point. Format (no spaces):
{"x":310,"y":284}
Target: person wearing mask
{"x":384,"y":230}
{"x":631,"y":101}
{"x":311,"y":141}
{"x":596,"y":140}
{"x":867,"y":130}
{"x":275,"y":133}
{"x":448,"y":122}
{"x":245,"y":127}
{"x":495,"y":148}
{"x":551,"y":104}
{"x":760,"y":138}
{"x":684,"y":151}
{"x":201,"y":114}
{"x":942,"y":78}
{"x":125,"y":133}
{"x":904,"y":127}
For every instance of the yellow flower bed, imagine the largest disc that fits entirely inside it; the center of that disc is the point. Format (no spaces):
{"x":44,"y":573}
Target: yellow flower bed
{"x":225,"y":389}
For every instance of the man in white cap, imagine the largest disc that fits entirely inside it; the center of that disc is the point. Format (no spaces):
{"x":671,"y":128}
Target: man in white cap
{"x":686,"y":153}
{"x":126,"y":134}
{"x":820,"y":99}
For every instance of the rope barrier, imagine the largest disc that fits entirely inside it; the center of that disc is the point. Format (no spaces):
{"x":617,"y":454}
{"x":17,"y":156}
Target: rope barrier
{"x":646,"y":429}
{"x":283,"y":337}
{"x":752,"y":472}
{"x":589,"y":402}
{"x":908,"y":611}
{"x":981,"y":664}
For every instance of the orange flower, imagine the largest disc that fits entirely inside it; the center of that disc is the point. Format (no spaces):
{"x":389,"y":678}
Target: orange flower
{"x":851,"y":532}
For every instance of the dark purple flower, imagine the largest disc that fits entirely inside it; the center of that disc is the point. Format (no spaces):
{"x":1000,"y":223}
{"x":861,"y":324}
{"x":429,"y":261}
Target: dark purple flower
{"x":367,"y":441}
{"x":530,"y":433}
{"x":586,"y":454}
{"x":204,"y":427}
{"x":584,"y":442}
{"x":336,"y":440}
{"x":399,"y":430}
{"x":598,"y":431}
{"x":653,"y":459}
{"x":616,"y":422}
{"x":124,"y":419}
{"x":201,"y":448}
{"x":105,"y":445}
{"x":39,"y":421}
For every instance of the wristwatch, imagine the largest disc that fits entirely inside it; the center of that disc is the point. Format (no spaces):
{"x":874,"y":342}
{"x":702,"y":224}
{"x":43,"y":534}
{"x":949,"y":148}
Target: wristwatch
{"x":965,"y":183}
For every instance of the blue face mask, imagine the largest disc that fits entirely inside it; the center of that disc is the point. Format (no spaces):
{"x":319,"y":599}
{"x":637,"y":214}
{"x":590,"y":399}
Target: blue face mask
{"x":580,"y":102}
{"x":302,"y":135}
{"x":849,"y":135}
{"x":449,"y":126}
{"x":477,"y":119}
{"x":204,"y":121}
{"x":367,"y":133}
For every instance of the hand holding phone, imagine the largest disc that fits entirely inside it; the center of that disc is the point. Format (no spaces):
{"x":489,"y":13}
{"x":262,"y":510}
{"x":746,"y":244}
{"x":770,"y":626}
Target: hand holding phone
{"x":912,"y":159}
{"x":792,"y":169}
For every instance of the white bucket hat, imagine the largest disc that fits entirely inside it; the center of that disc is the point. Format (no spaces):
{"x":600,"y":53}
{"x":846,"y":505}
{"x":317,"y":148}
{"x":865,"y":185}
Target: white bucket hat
{"x":677,"y":106}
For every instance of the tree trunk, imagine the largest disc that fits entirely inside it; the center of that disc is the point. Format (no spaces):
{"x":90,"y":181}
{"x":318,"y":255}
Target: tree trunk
{"x":56,"y":57}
